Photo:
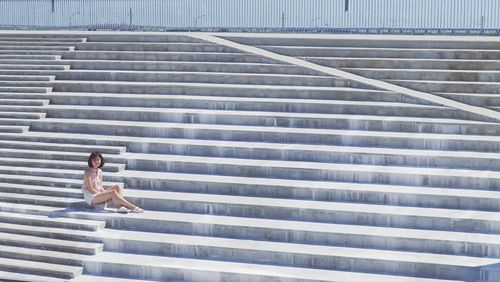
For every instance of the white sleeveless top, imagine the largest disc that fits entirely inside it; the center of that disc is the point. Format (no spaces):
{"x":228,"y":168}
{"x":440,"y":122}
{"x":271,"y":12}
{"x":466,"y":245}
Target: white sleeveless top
{"x":96,"y":179}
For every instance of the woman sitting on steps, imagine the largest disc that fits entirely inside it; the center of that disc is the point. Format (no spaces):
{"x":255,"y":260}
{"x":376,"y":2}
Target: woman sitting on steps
{"x":95,"y":194}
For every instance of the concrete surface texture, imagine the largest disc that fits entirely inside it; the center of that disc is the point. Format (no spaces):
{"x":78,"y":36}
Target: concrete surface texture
{"x":256,"y":157}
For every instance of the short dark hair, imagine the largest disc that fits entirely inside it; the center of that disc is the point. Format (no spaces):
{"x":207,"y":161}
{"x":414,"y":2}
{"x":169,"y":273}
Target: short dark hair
{"x":94,"y":155}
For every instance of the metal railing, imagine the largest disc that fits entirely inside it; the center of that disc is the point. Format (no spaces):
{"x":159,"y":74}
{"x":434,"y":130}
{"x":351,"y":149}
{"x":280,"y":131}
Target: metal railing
{"x":366,"y":16}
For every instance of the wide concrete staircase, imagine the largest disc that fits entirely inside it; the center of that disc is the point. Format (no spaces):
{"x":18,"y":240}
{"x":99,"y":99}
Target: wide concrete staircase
{"x":249,"y":169}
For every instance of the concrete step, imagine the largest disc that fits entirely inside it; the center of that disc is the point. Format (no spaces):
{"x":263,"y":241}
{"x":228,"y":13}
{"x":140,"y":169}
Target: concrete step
{"x":186,"y":66}
{"x":328,"y":115}
{"x":54,"y":163}
{"x":436,"y":223}
{"x":181,"y":66}
{"x":200,"y":77}
{"x":11,"y":276}
{"x":40,"y":268}
{"x":223,"y":99}
{"x":286,"y":230}
{"x":314,"y":153}
{"x":226,"y":90}
{"x":33,"y":67}
{"x":34,"y":255}
{"x":428,"y":74}
{"x":22,"y":115}
{"x":37,"y":90}
{"x":395,"y":175}
{"x":476,"y":99}
{"x":248,"y":133}
{"x":405,"y":63}
{"x":33,"y":220}
{"x":141,"y":37}
{"x":56,"y":155}
{"x":95,"y":278}
{"x":164,"y":47}
{"x":379,"y":139}
{"x":51,"y":201}
{"x":210,"y":102}
{"x":20,"y":49}
{"x":362,"y":52}
{"x":49,"y":244}
{"x":23,"y":102}
{"x":33,"y":52}
{"x":25,"y":78}
{"x":301,"y":209}
{"x":36,"y":190}
{"x":417,"y":196}
{"x":166,"y":268}
{"x":13,"y":129}
{"x":30,"y":57}
{"x":75,"y":183}
{"x":25,"y":84}
{"x":45,"y":146}
{"x":16,"y":37}
{"x":341,"y":238}
{"x":367,"y":41}
{"x":35,"y":44}
{"x":155,"y":56}
{"x":449,"y":86}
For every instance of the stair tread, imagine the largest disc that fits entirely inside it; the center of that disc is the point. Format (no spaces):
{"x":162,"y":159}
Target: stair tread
{"x":256,"y":269}
{"x":45,"y":242}
{"x":94,"y":223}
{"x":50,"y":267}
{"x":15,"y":276}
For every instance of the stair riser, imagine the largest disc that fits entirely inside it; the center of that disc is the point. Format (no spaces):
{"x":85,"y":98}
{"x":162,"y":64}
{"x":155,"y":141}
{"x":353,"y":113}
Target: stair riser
{"x":75,"y":194}
{"x":366,"y":53}
{"x":183,"y":130}
{"x":60,"y":148}
{"x":473,"y":99}
{"x":325,"y":174}
{"x":45,"y":259}
{"x":35,"y":48}
{"x":15,"y":44}
{"x":54,"y":156}
{"x":311,"y":193}
{"x":333,"y":216}
{"x":262,"y":120}
{"x":163,"y":56}
{"x":41,"y":272}
{"x":45,"y":223}
{"x":290,"y":258}
{"x":340,"y":139}
{"x":406,"y":64}
{"x":54,"y":165}
{"x":450,"y":88}
{"x":13,"y":130}
{"x":50,"y":247}
{"x":37,"y":202}
{"x":161,"y":47}
{"x":369,"y":42}
{"x":320,"y":156}
{"x":175,"y":274}
{"x":220,"y":78}
{"x":439,"y":76}
{"x":163,"y":273}
{"x":37,"y":90}
{"x":13,"y":77}
{"x":351,"y":95}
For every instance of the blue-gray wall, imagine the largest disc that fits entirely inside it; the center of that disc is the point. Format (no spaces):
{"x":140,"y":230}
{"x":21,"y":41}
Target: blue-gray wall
{"x":453,"y":14}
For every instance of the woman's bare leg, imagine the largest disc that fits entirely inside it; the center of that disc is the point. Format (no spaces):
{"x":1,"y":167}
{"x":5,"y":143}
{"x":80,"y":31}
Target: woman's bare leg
{"x":113,"y":195}
{"x":117,"y":187}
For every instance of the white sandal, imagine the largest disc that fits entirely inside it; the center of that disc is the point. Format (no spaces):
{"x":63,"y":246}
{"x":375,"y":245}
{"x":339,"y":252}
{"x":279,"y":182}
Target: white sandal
{"x":122,"y":209}
{"x":137,"y":210}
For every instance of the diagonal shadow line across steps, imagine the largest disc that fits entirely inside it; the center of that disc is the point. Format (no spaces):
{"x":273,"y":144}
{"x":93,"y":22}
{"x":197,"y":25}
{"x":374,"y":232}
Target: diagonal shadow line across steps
{"x":490,"y":115}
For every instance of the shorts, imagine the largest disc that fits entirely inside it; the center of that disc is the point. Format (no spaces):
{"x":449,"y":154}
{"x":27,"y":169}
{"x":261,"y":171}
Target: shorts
{"x":89,"y":197}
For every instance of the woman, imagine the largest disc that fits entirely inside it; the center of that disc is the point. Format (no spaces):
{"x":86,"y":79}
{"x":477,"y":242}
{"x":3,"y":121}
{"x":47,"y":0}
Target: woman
{"x":95,"y":194}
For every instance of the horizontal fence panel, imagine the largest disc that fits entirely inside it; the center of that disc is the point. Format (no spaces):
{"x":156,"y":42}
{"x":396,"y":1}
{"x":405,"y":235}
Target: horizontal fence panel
{"x":457,"y":16}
